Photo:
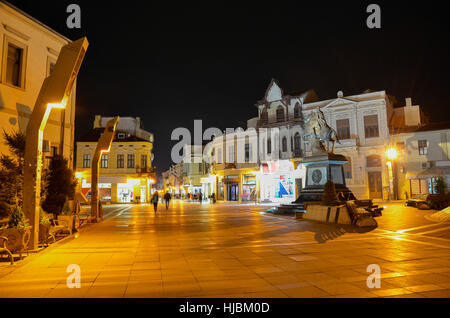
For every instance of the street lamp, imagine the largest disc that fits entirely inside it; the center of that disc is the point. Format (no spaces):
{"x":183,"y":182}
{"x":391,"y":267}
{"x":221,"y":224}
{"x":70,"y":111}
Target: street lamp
{"x":54,"y":93}
{"x":392,"y":154}
{"x":103,"y":146}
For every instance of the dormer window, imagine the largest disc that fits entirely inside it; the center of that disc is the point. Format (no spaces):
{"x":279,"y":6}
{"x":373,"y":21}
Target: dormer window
{"x":297,"y":111}
{"x":280,"y":114}
{"x":264,"y":116}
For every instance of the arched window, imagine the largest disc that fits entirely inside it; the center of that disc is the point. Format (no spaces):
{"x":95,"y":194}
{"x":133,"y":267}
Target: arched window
{"x":297,"y":142}
{"x":297,"y":111}
{"x":284,"y":144}
{"x":264,"y":116}
{"x":280,"y":114}
{"x":269,"y":145}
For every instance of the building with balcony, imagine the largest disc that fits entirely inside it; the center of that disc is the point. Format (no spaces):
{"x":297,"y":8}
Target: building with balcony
{"x":423,"y":156}
{"x":29,"y":52}
{"x":126,"y":172}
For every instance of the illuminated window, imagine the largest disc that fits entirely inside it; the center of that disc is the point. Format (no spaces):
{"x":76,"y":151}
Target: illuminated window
{"x":130,"y":161}
{"x":143,"y":161}
{"x":423,"y":147}
{"x":86,"y":161}
{"x":371,"y":126}
{"x":343,"y":128}
{"x":104,"y":161}
{"x":120,"y":161}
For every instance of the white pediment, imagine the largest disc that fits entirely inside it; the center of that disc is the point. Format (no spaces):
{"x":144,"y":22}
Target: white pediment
{"x":274,"y":92}
{"x":338,"y":102}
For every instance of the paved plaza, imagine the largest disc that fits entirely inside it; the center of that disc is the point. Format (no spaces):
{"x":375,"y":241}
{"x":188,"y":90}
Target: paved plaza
{"x":231,"y":250}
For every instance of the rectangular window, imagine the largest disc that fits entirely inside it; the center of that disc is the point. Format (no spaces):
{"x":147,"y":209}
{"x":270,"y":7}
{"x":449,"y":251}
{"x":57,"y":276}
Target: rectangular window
{"x":86,"y":161}
{"x":14,"y":65}
{"x":423,"y":147}
{"x":120,"y":161}
{"x":144,"y":161}
{"x":247,"y":152}
{"x":104,"y":161}
{"x":231,"y":154}
{"x":219,"y":155}
{"x":343,"y":128}
{"x":54,"y":151}
{"x":371,"y":126}
{"x":130,"y":161}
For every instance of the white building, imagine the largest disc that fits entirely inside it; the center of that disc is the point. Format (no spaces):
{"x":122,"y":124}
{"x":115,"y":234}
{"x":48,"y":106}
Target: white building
{"x":30,"y":50}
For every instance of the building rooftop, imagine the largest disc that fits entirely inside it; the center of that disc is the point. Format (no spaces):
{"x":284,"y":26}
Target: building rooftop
{"x":427,"y":127}
{"x":94,"y":134}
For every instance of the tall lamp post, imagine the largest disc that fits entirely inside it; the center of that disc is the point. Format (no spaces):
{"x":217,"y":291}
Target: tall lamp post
{"x":54,"y":93}
{"x":103,"y":145}
{"x":392,"y":154}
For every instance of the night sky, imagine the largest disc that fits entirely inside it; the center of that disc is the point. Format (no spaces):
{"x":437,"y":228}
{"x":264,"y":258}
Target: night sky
{"x":213,"y":61}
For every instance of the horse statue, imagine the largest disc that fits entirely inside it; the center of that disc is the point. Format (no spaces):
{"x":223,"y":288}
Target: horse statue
{"x":316,"y":126}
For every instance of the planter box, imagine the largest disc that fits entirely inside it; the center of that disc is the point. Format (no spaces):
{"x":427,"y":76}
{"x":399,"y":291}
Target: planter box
{"x":18,"y":239}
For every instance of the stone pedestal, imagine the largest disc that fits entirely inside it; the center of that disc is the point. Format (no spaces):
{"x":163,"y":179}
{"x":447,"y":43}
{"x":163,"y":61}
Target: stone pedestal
{"x":320,"y":168}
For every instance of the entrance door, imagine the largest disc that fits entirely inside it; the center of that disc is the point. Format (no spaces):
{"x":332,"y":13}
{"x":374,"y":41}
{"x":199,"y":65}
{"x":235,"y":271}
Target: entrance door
{"x":375,"y":185}
{"x":233,"y":193}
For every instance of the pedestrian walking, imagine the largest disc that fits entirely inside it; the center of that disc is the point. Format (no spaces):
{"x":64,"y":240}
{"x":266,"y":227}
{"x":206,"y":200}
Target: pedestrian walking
{"x":167,"y":198}
{"x":213,"y":197}
{"x":200,"y":197}
{"x":154,"y":200}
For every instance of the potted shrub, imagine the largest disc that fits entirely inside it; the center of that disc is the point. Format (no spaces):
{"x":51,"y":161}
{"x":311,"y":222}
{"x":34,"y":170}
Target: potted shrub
{"x":17,"y":231}
{"x":66,"y":217}
{"x":44,"y":227}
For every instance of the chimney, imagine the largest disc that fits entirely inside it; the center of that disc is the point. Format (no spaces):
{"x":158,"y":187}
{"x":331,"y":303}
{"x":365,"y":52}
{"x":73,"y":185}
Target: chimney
{"x":98,"y":121}
{"x":408,"y":102}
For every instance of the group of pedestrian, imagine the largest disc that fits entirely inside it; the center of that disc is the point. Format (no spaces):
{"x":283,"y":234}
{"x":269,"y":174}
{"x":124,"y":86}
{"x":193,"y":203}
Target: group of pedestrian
{"x":167,"y":197}
{"x":155,"y":199}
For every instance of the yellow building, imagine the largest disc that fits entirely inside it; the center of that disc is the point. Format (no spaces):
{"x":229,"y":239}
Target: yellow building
{"x":29,"y":50}
{"x":126,"y":172}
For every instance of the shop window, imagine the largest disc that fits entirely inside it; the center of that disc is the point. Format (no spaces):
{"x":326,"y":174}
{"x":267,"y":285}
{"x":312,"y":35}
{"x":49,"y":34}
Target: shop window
{"x":423,"y":147}
{"x":120,"y":161}
{"x":104,"y":161}
{"x":371,"y":126}
{"x":86,"y":161}
{"x":343,"y":128}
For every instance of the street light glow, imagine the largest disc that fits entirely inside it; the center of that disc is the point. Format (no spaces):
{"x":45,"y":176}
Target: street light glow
{"x":391,"y":153}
